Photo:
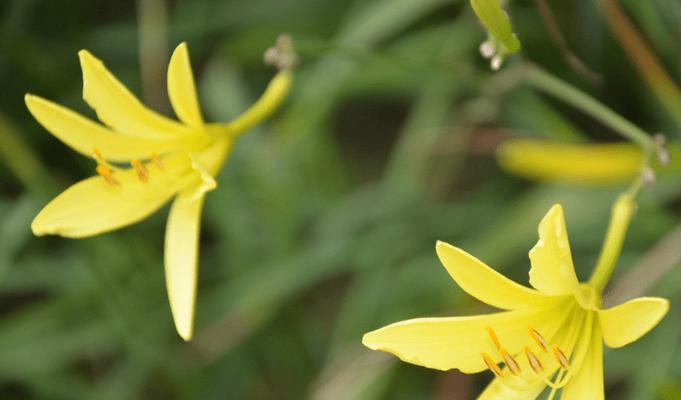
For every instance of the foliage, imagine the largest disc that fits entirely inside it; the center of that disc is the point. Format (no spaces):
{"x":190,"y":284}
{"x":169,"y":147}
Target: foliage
{"x":324,"y":223}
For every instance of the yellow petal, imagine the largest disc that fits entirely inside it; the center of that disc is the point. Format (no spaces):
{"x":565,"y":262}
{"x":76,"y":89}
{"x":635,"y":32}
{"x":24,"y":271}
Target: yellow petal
{"x":588,"y":381}
{"x":181,"y":253}
{"x":552,"y":271}
{"x":181,"y":87}
{"x":588,"y":164}
{"x":267,"y":103}
{"x":84,"y":135}
{"x":484,"y":283}
{"x":206,"y":183}
{"x":629,"y":321}
{"x":117,"y":107}
{"x":521,"y":389}
{"x":93,"y":206}
{"x":446,"y":343}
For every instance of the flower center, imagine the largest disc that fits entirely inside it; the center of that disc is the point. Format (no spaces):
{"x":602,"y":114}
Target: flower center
{"x":106,"y":170}
{"x":540,"y":345}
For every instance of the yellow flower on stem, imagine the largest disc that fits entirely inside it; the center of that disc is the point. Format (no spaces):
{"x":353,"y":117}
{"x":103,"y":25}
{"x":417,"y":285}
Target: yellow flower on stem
{"x":551,"y":334}
{"x":145,"y":159}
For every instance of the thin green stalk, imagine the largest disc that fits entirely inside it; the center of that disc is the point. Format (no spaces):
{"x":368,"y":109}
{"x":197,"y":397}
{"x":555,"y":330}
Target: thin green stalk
{"x":622,"y":212}
{"x":548,"y":83}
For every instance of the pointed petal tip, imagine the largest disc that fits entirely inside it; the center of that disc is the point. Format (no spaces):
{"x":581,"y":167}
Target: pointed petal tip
{"x":85,"y":56}
{"x":186,"y":334}
{"x":30,"y":98}
{"x":366,"y":341}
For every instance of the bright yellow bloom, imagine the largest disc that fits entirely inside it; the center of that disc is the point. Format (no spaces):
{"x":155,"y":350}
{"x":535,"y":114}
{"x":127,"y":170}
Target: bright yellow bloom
{"x":551,"y":334}
{"x":166,"y":159}
{"x":591,"y":164}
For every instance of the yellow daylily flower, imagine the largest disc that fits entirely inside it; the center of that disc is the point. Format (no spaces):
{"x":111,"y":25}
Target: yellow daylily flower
{"x":580,"y":163}
{"x":550,"y":335}
{"x":167,"y":159}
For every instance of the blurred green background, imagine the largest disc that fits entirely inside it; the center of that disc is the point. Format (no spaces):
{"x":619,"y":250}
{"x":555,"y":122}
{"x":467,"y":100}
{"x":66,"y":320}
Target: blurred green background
{"x":324,"y":223}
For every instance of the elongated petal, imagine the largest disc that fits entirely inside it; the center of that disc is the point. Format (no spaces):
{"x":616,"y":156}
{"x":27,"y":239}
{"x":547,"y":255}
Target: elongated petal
{"x":117,"y":107}
{"x":181,"y":87}
{"x":629,"y":321}
{"x":585,"y":164}
{"x":446,"y":343}
{"x":94,"y":206}
{"x":84,"y":135}
{"x":181,"y":254}
{"x":484,"y":283}
{"x":269,"y":101}
{"x":588,"y":382}
{"x":552,"y":270}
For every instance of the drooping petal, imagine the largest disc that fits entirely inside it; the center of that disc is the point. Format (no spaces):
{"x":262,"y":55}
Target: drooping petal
{"x":552,"y":270}
{"x":181,"y":254}
{"x":588,"y":381}
{"x":484,"y":283}
{"x":181,"y":87}
{"x":94,"y":206}
{"x":84,"y":135}
{"x":117,"y":107}
{"x":519,"y":389}
{"x":629,"y":321}
{"x":457,"y":342}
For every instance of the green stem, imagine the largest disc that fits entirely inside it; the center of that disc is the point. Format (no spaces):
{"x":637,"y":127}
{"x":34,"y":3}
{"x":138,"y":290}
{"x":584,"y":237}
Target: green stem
{"x":548,"y":83}
{"x":622,"y":211}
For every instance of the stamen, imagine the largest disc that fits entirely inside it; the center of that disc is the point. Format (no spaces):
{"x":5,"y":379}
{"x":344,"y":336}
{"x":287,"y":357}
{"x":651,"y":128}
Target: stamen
{"x":492,"y":365}
{"x":534,"y":361}
{"x":157,"y":161}
{"x":560,"y":356}
{"x":511,"y":363}
{"x":141,"y":169}
{"x":98,"y":156}
{"x":494,"y":337}
{"x":539,"y":339}
{"x":106,"y":173}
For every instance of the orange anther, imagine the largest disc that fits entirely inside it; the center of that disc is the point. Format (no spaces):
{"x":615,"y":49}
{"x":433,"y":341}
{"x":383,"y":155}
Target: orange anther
{"x":98,"y":156}
{"x":560,"y":356}
{"x":494,"y":337}
{"x":492,"y":365}
{"x":511,"y":363}
{"x":157,"y":161}
{"x":106,"y":173}
{"x":141,"y":169}
{"x":539,"y":339}
{"x":533,"y":360}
